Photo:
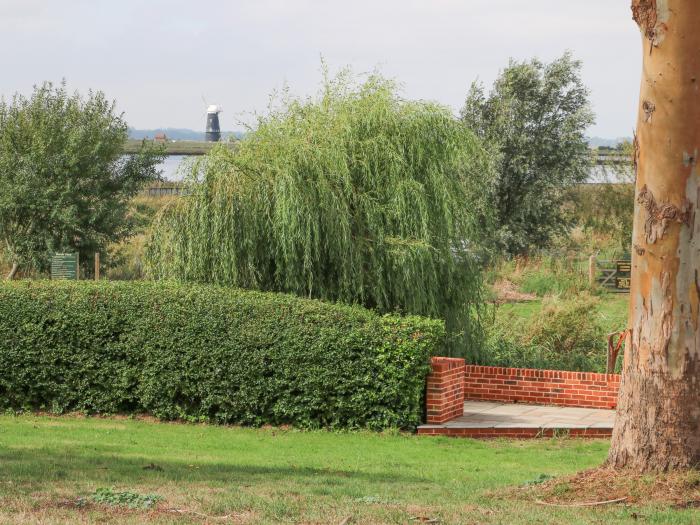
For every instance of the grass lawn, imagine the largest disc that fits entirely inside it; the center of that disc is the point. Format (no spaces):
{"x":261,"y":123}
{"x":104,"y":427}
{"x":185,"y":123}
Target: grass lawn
{"x":50,"y":466}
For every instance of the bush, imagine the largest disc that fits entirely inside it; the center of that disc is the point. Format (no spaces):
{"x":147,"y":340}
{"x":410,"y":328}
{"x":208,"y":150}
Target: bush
{"x":208,"y":353}
{"x":564,"y":335}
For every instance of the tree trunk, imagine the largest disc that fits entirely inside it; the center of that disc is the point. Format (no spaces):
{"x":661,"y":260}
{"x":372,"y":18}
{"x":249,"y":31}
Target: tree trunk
{"x":13,"y":271}
{"x":658,"y":417}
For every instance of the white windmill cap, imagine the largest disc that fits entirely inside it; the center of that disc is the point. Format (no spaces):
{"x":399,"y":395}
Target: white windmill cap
{"x":213,"y":108}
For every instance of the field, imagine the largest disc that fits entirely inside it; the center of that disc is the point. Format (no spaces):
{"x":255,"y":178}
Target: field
{"x":51,"y":468}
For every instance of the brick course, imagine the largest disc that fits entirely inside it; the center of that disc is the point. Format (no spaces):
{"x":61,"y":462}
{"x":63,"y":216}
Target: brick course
{"x":516,"y":433}
{"x":445,"y":390}
{"x":541,"y":387}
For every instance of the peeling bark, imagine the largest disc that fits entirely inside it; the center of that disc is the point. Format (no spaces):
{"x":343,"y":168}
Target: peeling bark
{"x":649,"y":108}
{"x":650,"y":19}
{"x":659,"y":216}
{"x":658,"y":419}
{"x":644,"y":13}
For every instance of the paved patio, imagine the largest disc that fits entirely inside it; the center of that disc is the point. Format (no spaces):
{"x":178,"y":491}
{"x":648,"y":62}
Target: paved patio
{"x":489,"y":419}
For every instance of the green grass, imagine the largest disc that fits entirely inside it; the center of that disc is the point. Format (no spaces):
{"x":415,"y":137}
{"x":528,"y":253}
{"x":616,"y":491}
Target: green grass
{"x":613,"y":310}
{"x":52,"y":470}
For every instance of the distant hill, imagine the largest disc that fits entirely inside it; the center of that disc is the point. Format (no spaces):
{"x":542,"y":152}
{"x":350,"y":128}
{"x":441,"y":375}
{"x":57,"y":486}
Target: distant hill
{"x":598,"y":142}
{"x":177,"y":134}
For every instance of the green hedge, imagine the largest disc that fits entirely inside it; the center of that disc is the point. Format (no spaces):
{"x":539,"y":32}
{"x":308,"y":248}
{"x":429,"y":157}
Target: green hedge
{"x":207,"y":353}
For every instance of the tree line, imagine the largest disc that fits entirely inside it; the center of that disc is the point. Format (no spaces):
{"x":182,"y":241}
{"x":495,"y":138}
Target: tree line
{"x":65,"y":183}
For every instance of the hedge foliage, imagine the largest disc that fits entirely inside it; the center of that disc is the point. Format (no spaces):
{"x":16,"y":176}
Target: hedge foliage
{"x":208,"y":353}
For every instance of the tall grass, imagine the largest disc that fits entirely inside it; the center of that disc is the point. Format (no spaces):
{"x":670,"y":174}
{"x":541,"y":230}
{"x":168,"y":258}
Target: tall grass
{"x":545,"y":274}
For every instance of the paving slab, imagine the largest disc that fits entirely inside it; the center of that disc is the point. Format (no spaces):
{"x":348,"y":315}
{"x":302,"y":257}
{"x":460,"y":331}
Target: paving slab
{"x":520,"y":419}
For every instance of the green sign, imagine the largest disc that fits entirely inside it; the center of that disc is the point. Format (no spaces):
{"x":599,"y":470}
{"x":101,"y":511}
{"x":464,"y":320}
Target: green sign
{"x":64,"y":266}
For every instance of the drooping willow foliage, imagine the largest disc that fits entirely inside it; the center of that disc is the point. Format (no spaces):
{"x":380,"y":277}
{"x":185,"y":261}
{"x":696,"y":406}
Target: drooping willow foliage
{"x":354,"y":196}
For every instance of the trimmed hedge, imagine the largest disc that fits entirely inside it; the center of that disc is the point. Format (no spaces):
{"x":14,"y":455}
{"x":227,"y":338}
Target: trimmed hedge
{"x":207,"y":353}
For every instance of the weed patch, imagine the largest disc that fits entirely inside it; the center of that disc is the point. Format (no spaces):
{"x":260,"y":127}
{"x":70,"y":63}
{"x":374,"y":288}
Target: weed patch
{"x":128,"y":499}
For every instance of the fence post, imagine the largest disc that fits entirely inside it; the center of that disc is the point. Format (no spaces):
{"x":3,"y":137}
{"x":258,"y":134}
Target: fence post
{"x":591,"y":270}
{"x":97,"y":266}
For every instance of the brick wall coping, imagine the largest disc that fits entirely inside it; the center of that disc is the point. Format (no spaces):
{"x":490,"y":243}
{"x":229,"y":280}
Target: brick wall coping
{"x":443,"y":364}
{"x":532,"y":372}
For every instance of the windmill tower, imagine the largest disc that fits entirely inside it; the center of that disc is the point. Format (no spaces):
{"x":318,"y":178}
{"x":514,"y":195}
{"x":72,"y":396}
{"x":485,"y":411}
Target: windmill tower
{"x":213,"y":130}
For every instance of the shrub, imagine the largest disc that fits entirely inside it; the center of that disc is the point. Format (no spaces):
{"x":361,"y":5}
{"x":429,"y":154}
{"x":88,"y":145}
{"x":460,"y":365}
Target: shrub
{"x":208,"y":353}
{"x":567,"y":326}
{"x":564,"y":335}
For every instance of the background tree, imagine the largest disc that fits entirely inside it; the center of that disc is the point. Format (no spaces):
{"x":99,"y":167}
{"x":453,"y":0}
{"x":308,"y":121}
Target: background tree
{"x":355,"y":196}
{"x":64,"y":182}
{"x":606,"y":208}
{"x":658,"y":419}
{"x":534,"y":117}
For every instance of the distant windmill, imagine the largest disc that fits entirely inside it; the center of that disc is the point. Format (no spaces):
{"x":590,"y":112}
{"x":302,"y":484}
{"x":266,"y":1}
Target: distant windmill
{"x":213,"y":130}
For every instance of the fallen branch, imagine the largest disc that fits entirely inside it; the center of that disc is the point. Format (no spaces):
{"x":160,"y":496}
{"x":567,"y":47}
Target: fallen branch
{"x":588,"y":504}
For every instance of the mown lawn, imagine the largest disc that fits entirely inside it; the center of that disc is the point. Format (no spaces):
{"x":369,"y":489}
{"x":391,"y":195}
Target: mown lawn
{"x":50,"y":466}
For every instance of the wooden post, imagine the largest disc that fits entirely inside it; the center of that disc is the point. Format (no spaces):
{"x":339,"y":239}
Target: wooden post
{"x":591,"y":270}
{"x":97,"y":266}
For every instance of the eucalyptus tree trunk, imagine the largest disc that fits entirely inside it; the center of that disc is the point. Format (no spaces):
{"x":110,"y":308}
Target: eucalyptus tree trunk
{"x":658,"y":418}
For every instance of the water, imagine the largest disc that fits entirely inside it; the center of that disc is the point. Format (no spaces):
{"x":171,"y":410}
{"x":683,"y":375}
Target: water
{"x":173,"y":171}
{"x":606,"y":174}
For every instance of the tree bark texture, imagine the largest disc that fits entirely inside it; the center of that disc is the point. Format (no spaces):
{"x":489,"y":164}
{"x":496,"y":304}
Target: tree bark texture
{"x":658,"y":418}
{"x":13,"y":271}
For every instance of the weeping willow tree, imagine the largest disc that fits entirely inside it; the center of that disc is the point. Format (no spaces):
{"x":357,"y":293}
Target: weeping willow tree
{"x":355,"y":196}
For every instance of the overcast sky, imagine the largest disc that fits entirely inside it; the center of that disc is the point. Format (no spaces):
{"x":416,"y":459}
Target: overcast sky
{"x":157,"y":58}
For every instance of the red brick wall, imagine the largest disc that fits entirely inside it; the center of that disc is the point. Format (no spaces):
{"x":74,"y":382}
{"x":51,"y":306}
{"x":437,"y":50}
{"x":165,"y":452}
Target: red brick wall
{"x":541,"y":387}
{"x":445,"y":390}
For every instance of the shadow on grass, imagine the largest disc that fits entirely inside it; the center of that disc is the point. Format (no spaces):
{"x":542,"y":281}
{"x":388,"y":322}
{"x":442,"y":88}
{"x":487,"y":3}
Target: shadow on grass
{"x":22,"y":466}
